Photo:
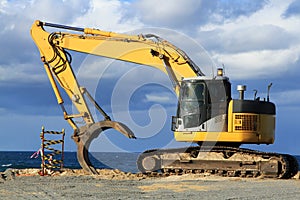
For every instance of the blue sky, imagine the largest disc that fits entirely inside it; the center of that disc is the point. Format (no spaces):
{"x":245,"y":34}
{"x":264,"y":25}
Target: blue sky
{"x":257,"y":41}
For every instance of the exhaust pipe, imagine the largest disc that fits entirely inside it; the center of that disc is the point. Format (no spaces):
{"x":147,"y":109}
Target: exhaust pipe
{"x":241,"y":89}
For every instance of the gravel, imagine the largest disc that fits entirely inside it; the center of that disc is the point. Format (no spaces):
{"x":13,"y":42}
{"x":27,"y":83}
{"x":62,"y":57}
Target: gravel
{"x":114,"y":184}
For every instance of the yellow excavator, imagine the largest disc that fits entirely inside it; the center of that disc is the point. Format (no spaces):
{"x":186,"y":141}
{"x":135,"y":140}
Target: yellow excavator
{"x":206,"y":113}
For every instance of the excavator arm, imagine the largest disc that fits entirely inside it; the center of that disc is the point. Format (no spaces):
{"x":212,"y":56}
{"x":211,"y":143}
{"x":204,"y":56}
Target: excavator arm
{"x":149,"y":50}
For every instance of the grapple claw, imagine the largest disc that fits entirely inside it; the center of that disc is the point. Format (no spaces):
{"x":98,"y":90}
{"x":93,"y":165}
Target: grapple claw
{"x":89,"y":132}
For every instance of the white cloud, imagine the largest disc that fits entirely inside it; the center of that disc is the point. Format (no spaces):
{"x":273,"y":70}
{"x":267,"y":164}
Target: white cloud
{"x":108,"y":15}
{"x":237,"y":35}
{"x":96,"y":68}
{"x":160,"y":98}
{"x":19,"y":58}
{"x":167,"y":12}
{"x":22,"y":73}
{"x":19,"y":11}
{"x":261,"y":37}
{"x":259,"y":64}
{"x":57,"y":12}
{"x":262,"y":45}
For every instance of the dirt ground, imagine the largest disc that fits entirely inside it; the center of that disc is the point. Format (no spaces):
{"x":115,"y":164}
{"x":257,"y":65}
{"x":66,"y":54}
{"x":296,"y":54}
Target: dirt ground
{"x":114,"y":184}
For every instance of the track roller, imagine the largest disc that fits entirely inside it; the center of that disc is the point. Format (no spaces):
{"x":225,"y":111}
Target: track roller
{"x":149,"y":162}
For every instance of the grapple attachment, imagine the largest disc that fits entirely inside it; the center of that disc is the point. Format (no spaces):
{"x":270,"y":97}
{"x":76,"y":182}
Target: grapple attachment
{"x":89,"y":132}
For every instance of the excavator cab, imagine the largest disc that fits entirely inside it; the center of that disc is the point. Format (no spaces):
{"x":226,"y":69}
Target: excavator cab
{"x":202,"y":99}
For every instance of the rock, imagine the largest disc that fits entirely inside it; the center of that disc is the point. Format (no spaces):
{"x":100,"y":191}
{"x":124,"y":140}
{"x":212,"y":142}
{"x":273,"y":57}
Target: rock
{"x":117,"y":171}
{"x":297,"y":176}
{"x":28,"y":172}
{"x":9,"y":174}
{"x":2,"y":179}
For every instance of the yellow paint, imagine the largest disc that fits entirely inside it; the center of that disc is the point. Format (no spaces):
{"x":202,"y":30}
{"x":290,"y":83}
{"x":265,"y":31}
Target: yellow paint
{"x":264,"y":135}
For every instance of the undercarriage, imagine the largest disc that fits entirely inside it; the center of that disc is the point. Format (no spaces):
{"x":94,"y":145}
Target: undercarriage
{"x":218,"y":160}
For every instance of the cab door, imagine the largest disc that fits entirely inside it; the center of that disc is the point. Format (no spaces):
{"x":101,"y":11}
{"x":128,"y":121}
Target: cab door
{"x":193,"y":104}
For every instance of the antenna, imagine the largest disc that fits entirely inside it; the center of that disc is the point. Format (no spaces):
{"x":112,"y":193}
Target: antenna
{"x":269,"y":87}
{"x":255,"y":93}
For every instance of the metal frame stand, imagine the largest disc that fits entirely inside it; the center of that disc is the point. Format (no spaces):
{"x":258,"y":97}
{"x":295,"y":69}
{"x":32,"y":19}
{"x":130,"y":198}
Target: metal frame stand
{"x":48,"y":161}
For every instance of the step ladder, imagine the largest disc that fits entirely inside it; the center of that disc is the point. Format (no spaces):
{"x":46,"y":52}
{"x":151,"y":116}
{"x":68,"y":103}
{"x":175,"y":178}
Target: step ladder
{"x":52,"y":151}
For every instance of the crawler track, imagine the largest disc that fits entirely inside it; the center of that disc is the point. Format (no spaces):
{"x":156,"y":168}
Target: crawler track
{"x":219,"y":160}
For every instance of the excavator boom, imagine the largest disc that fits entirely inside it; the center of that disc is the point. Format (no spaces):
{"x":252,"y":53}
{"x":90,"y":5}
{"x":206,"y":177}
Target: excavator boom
{"x":146,"y":49}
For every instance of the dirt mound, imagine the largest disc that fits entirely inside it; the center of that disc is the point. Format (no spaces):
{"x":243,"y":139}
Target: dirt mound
{"x":110,"y":174}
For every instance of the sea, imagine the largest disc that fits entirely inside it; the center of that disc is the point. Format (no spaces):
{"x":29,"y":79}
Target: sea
{"x":101,"y":160}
